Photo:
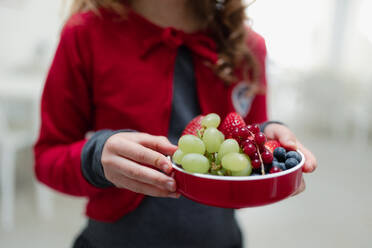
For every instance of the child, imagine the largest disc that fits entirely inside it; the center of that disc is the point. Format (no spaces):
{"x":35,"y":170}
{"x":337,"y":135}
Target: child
{"x":135,"y":72}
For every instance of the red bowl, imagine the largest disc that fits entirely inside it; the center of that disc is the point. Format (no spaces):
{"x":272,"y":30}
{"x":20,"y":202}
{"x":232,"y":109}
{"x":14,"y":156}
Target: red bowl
{"x":238,"y":192}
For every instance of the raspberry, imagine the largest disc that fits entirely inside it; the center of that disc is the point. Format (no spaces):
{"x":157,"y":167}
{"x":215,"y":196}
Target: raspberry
{"x":271,"y":145}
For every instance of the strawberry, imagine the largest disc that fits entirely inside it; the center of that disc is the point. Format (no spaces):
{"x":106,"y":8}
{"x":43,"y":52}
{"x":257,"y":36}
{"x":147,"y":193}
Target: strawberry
{"x":271,"y":145}
{"x":193,"y":126}
{"x":230,"y":123}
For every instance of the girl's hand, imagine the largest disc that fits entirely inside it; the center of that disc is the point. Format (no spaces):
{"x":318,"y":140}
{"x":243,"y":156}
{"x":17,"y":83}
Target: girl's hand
{"x":289,"y":141}
{"x":123,"y":157}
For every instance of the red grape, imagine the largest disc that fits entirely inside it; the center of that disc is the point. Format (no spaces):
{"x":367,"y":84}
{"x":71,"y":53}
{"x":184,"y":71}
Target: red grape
{"x":253,"y":128}
{"x":245,"y":142}
{"x":256,"y":164}
{"x":254,"y":156}
{"x":262,"y":148}
{"x":260,"y":138}
{"x":250,"y":128}
{"x":249,"y":149}
{"x":275,"y":169}
{"x":267,"y":157}
{"x":256,"y":129}
{"x":236,"y":134}
{"x":243,"y":133}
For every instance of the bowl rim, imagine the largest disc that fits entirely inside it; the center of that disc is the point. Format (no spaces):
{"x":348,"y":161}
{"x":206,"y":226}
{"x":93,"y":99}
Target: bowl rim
{"x":244,"y":178}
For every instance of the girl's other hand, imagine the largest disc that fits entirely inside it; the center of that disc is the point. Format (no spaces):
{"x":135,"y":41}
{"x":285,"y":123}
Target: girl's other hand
{"x":289,"y":141}
{"x":123,"y":159}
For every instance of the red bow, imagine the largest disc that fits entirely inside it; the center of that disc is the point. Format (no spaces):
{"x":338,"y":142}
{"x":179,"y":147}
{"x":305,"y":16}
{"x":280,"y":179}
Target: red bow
{"x":198,"y":43}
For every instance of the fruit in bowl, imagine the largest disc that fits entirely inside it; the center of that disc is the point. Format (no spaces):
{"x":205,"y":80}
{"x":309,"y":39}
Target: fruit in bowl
{"x":232,"y":165}
{"x":204,"y":149}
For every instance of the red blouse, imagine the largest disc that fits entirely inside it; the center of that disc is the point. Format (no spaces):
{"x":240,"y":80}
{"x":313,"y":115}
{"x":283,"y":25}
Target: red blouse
{"x":117,"y":74}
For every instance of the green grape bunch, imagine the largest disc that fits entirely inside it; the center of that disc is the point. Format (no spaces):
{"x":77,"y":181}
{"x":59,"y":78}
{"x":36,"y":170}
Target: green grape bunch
{"x":209,"y":152}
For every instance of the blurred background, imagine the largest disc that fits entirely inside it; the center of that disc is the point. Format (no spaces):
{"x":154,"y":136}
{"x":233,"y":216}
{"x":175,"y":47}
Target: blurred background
{"x":320,"y":76}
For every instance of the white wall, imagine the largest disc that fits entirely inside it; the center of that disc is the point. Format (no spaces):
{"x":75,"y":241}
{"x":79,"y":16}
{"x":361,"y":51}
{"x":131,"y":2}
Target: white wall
{"x":28,"y":31}
{"x":319,"y":62}
{"x":309,"y":43}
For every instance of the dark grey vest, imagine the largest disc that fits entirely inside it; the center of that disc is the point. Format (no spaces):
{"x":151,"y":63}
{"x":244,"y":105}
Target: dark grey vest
{"x":165,"y":222}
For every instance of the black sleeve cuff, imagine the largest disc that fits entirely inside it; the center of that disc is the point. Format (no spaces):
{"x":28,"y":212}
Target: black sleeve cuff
{"x":91,"y":165}
{"x":265,"y":124}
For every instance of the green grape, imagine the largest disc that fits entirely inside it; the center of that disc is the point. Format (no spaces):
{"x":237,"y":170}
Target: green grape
{"x":211,"y":120}
{"x":212,"y":139}
{"x":222,"y":136}
{"x":195,"y":163}
{"x":177,"y":156}
{"x":245,"y":172}
{"x":228,"y":146}
{"x":234,"y":162}
{"x":191,"y":144}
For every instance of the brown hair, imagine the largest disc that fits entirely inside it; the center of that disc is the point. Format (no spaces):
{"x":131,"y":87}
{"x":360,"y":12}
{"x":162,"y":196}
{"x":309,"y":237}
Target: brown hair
{"x":225,"y":22}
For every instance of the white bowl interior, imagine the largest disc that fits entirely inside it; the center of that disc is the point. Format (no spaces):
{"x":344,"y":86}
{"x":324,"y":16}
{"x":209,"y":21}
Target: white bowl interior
{"x":244,"y":178}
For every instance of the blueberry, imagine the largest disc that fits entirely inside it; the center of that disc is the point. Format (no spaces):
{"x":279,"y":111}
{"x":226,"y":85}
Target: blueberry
{"x":293,"y":154}
{"x":290,"y":163}
{"x":276,"y":163}
{"x":275,"y":159}
{"x":279,"y":153}
{"x":279,"y":165}
{"x":267,"y":167}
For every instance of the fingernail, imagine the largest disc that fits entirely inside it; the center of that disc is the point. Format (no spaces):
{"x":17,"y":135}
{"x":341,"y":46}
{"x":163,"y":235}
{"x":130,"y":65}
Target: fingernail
{"x":171,"y":186}
{"x":165,"y":167}
{"x":174,"y":195}
{"x":292,"y":143}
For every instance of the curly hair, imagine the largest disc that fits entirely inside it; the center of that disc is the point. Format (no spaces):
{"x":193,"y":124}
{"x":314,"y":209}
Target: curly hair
{"x":225,"y":21}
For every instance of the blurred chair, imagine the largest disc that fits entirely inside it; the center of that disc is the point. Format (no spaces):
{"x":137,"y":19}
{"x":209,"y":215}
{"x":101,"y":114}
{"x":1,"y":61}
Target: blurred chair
{"x":12,"y":140}
{"x":10,"y":143}
{"x":326,"y":102}
{"x":362,"y":109}
{"x":335,"y":104}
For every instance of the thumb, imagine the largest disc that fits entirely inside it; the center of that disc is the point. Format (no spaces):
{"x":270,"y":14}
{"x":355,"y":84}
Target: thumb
{"x":281,"y":133}
{"x":159,"y":143}
{"x":287,"y":140}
